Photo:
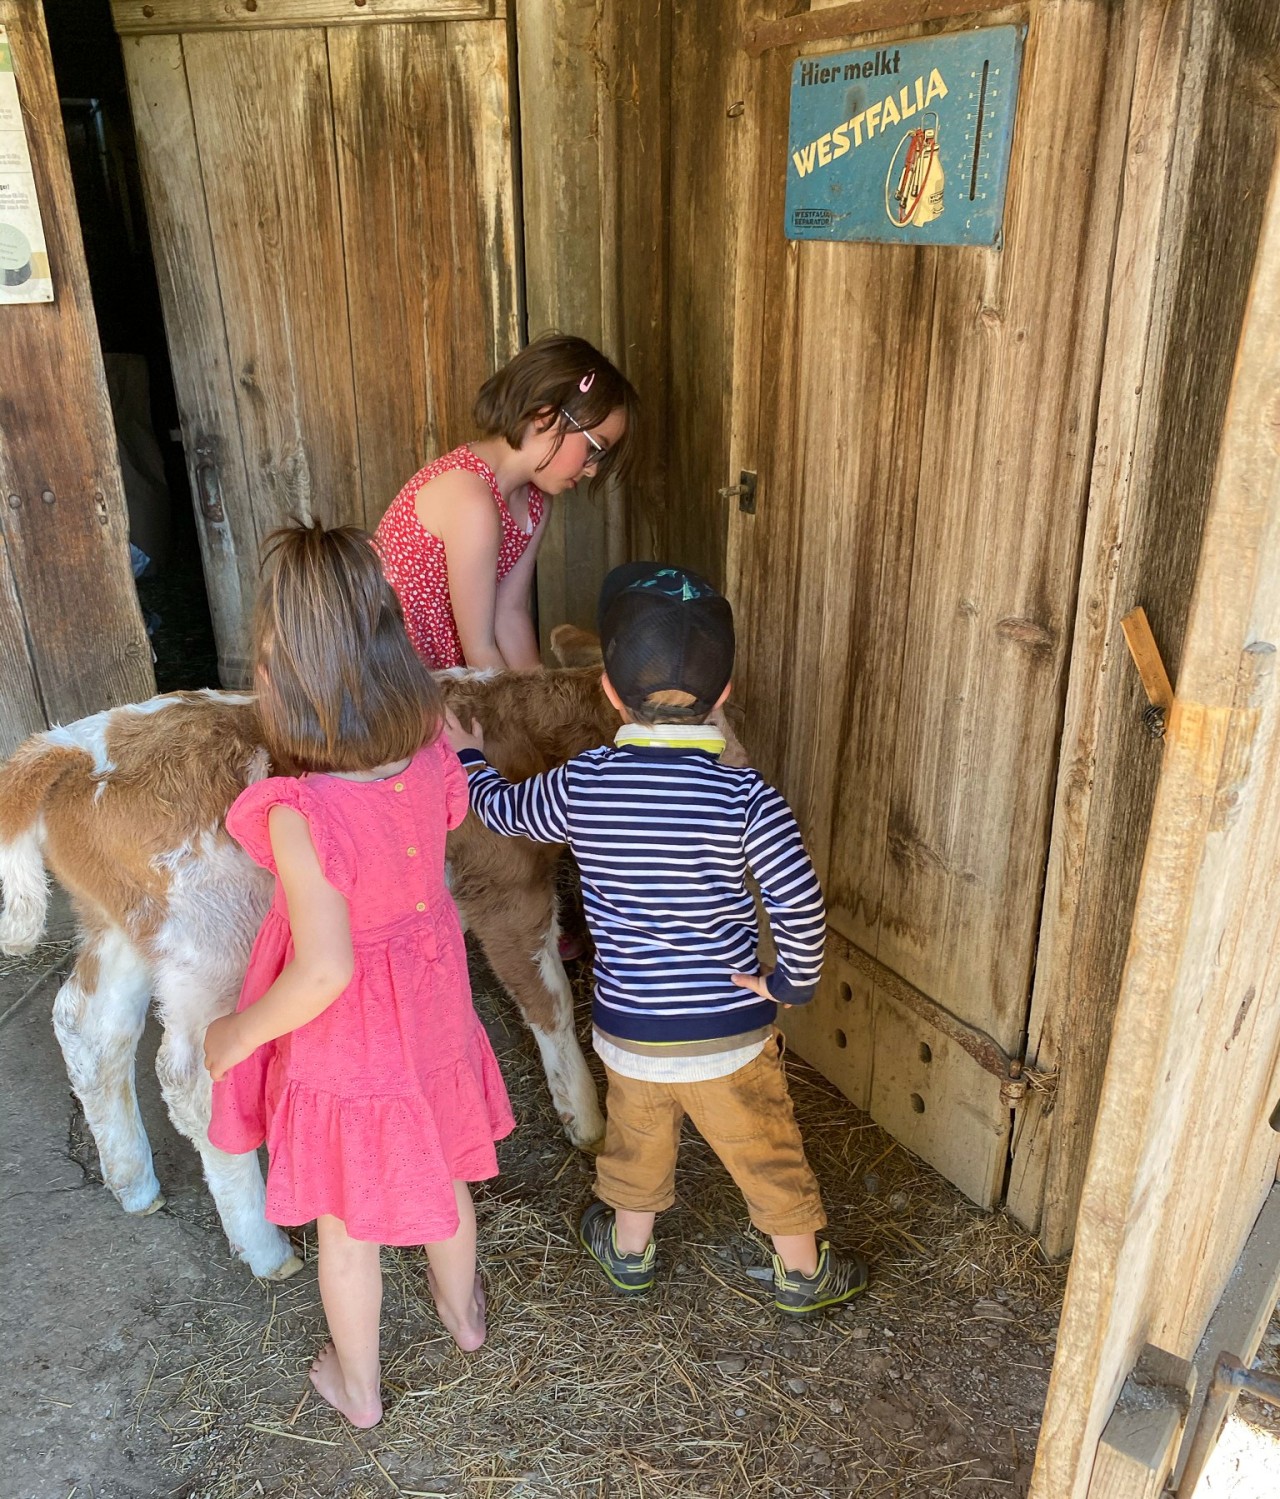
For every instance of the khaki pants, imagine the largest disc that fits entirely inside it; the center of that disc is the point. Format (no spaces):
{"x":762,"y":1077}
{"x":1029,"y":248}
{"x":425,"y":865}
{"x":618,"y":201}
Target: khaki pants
{"x":746,"y":1118}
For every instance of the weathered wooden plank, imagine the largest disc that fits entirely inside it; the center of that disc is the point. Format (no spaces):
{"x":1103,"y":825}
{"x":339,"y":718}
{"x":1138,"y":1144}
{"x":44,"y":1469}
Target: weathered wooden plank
{"x":1146,"y":657}
{"x":863,"y":584}
{"x":825,"y":23}
{"x":1176,"y":305}
{"x":636,"y":141}
{"x":757,"y":95}
{"x":835,"y":1031}
{"x":767,"y":569}
{"x":62,"y":515}
{"x":1220,"y":1175}
{"x":21,"y":712}
{"x":593,"y":119}
{"x":432,"y":266}
{"x":1081,"y":944}
{"x":1136,"y":1451}
{"x":705,"y":87}
{"x":829,"y":573}
{"x":261,"y":103}
{"x":563,"y":227}
{"x":169,"y":161}
{"x":144,"y":17}
{"x":826,"y":566}
{"x":1175,"y":1179}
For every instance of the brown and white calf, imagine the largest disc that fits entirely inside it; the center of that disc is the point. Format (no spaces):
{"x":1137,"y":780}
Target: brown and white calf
{"x":127,"y":810}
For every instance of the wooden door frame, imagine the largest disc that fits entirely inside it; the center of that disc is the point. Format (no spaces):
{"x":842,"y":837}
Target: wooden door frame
{"x":1171,"y":339}
{"x":1183,"y":1156}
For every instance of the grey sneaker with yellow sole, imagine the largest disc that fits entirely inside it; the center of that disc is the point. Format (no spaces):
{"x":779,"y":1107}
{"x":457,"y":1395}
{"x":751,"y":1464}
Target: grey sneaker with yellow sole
{"x":837,"y":1279}
{"x":629,"y":1274}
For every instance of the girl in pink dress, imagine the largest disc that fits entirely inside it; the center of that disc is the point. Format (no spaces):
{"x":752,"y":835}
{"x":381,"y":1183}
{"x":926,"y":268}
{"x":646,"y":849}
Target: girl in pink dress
{"x":460,"y":540}
{"x":355,"y":1052}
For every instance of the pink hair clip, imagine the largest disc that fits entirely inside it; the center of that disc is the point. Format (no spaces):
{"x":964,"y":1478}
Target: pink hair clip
{"x":585,"y":384}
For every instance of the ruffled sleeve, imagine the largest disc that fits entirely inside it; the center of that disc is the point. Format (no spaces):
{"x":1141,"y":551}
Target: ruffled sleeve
{"x":247,"y":824}
{"x":456,"y":796}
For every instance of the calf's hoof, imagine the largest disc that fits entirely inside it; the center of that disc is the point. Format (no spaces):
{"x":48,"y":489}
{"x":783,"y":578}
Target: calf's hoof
{"x":290,"y":1267}
{"x":140,"y":1198}
{"x":585,"y":1134}
{"x":270,"y":1255}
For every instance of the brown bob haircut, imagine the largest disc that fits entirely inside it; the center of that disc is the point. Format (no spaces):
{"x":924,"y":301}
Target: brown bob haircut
{"x":340,"y":686}
{"x":544,"y":382}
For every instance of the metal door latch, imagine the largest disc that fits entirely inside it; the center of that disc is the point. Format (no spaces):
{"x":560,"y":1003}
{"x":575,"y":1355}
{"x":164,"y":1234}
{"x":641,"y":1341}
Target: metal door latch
{"x":744,"y":491}
{"x":1229,"y":1373}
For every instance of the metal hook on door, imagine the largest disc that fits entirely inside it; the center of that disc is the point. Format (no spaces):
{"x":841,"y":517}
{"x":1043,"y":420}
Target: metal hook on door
{"x":208,"y":489}
{"x":744,"y":491}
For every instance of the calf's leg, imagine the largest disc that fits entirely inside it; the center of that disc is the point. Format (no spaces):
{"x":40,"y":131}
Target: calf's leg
{"x":516,"y":924}
{"x":98,"y":1017}
{"x":189,"y":999}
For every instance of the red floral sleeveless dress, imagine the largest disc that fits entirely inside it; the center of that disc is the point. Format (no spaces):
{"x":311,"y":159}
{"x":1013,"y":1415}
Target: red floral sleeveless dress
{"x":415,"y":564}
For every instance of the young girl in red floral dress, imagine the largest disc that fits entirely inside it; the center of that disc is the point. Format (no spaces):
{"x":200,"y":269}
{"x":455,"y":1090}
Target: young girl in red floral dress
{"x":355,"y":1052}
{"x":459,"y":541}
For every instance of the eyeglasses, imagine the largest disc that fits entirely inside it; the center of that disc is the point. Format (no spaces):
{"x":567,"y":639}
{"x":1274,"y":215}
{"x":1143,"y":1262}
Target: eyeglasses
{"x":599,"y":452}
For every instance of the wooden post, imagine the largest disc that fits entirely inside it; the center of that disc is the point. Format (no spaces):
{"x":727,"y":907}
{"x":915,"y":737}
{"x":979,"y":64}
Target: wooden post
{"x":1177,"y":298}
{"x":71,"y":633}
{"x":593,"y":129}
{"x":1183,"y":1155}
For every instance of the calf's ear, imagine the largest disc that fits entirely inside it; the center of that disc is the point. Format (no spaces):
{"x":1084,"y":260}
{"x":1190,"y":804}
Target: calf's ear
{"x":574,"y":647}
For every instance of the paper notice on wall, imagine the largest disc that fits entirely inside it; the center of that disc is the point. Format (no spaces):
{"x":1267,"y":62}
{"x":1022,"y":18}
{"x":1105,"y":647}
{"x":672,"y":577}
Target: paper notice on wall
{"x":24,"y":258}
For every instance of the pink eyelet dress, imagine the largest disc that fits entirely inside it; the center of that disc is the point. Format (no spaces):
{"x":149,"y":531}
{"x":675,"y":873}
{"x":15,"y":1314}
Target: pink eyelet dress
{"x":416,"y":566}
{"x":373,"y":1109}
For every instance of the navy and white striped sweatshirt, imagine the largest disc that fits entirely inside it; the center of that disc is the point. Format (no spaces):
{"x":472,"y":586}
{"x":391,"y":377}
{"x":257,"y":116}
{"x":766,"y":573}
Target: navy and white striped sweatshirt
{"x":664,"y":839}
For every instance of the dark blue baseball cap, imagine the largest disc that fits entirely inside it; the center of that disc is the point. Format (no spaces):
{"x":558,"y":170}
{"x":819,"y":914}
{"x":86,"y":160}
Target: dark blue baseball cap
{"x":662,"y":629}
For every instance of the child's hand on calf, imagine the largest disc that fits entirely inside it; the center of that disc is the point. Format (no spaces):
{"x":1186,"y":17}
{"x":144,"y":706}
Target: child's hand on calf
{"x":472,"y":737}
{"x":224,"y":1046}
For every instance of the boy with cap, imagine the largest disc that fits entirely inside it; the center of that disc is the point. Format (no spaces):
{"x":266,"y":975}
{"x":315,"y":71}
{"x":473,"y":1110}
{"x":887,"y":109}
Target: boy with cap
{"x":665,"y":836}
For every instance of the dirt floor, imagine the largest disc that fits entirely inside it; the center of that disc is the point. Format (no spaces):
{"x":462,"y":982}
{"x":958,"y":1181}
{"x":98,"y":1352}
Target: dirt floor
{"x":143,"y":1361}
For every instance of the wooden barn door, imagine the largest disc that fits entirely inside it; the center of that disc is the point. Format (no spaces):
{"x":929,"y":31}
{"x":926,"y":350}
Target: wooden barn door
{"x":329,"y":189}
{"x":920,"y":421}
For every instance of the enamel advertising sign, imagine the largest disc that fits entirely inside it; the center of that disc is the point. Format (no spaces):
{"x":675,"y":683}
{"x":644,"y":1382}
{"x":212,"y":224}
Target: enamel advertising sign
{"x":907,"y":142}
{"x":24,"y":260}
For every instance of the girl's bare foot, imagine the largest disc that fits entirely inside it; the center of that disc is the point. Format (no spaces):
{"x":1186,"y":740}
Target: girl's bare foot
{"x":469,"y":1332}
{"x":326,"y":1375}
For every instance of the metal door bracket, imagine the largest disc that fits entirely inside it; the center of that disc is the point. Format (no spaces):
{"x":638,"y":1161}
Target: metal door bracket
{"x":1016,"y":1077}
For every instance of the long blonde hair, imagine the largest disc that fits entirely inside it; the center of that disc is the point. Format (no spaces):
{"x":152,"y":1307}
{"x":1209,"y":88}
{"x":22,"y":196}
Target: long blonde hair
{"x":339,"y":685}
